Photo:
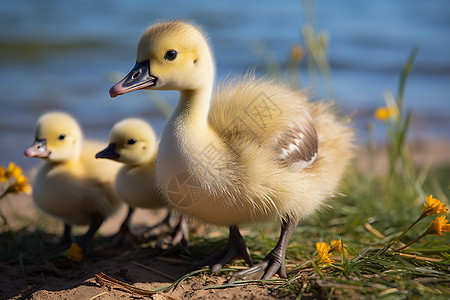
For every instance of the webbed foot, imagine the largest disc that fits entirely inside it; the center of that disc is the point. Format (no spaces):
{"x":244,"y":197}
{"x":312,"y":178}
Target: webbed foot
{"x":236,"y":247}
{"x":273,"y":263}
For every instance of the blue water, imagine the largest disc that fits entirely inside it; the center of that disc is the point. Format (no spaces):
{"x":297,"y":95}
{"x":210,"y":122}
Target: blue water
{"x":56,"y":54}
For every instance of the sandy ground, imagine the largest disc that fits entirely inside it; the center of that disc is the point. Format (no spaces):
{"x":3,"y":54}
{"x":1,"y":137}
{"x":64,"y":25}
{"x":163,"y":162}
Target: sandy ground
{"x":63,"y":279}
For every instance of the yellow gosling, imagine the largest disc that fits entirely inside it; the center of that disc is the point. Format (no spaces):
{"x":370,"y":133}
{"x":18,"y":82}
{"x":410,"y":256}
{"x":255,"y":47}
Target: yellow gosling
{"x":72,"y":185}
{"x":252,"y":151}
{"x":133,"y":142}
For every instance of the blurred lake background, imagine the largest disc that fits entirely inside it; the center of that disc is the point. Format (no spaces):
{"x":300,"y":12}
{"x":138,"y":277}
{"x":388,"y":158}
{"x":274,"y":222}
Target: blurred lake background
{"x":57,"y":54}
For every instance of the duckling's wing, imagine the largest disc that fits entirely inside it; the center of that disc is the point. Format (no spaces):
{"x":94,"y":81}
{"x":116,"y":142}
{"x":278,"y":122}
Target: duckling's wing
{"x":268,"y":115}
{"x":297,"y":146}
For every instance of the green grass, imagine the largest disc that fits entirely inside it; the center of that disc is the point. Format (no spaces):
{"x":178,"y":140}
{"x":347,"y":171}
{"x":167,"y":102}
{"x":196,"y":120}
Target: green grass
{"x":370,"y":269}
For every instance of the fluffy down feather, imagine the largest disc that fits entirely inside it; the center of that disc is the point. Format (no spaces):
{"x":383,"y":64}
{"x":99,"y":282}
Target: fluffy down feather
{"x":71,"y":184}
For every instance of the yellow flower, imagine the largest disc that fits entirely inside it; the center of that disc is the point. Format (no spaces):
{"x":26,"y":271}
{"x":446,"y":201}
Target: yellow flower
{"x":297,"y":52}
{"x":21,"y":185}
{"x":439,"y":226}
{"x":323,"y":254}
{"x":14,"y":170}
{"x":3,"y":176}
{"x":337,"y":246}
{"x":75,"y":252}
{"x":384,"y":113}
{"x":433,"y":206}
{"x":17,"y":182}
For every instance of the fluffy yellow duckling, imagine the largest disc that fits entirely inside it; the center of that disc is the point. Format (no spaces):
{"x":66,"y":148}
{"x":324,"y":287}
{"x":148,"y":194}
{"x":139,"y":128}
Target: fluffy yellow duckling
{"x":253,"y":151}
{"x":72,"y":185}
{"x":133,"y":142}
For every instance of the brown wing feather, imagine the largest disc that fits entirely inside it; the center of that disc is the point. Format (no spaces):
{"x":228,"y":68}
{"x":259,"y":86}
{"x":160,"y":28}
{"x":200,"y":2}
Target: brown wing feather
{"x":298,"y":146}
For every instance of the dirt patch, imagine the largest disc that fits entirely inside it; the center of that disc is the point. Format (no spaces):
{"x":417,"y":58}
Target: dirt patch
{"x":144,"y":266}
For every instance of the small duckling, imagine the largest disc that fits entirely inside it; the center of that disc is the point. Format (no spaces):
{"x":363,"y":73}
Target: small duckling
{"x":133,"y":142}
{"x":254,"y":151}
{"x":72,"y":185}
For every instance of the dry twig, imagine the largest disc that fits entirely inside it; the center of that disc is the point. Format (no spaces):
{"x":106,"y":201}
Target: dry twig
{"x":105,"y":280}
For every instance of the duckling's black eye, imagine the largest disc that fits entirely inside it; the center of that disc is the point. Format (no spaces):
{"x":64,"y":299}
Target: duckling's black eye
{"x":170,"y":55}
{"x":62,"y":137}
{"x":131,"y":142}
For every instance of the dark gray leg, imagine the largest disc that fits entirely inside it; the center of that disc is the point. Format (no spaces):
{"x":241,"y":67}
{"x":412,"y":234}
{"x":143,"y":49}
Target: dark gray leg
{"x":235,"y":247}
{"x":124,"y":237}
{"x":65,"y":241}
{"x":85,"y":239}
{"x":274,"y":261}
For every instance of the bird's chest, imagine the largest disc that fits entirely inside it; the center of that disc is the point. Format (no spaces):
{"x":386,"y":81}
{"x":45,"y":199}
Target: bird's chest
{"x":52,"y":188}
{"x":190,"y":168}
{"x":138,"y":189}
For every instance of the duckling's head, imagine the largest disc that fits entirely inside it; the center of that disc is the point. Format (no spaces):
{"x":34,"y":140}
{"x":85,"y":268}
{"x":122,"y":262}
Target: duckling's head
{"x":170,"y":56}
{"x":57,"y":138}
{"x":131,"y":141}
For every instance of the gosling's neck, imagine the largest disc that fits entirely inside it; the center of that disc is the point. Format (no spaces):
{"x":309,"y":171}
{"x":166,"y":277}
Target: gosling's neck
{"x":71,"y":159}
{"x":193,"y":107}
{"x":148,"y":160}
{"x":194,"y":103}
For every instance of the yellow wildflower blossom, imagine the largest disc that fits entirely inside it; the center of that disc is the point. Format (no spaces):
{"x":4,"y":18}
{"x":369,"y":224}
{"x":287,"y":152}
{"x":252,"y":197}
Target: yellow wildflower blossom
{"x":297,"y":52}
{"x":336,"y":246}
{"x":439,"y":226}
{"x":14,"y":170}
{"x":3,"y":176}
{"x":433,"y":207}
{"x":75,"y":252}
{"x":384,"y":113}
{"x":21,"y":185}
{"x":323,"y":254}
{"x":16,"y":181}
{"x":322,"y":247}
